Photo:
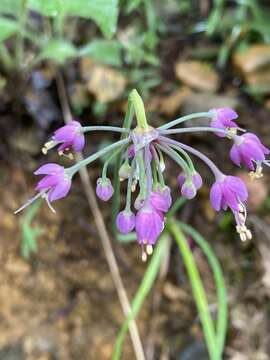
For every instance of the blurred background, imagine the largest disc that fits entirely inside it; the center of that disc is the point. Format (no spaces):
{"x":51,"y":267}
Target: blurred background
{"x":57,"y":299}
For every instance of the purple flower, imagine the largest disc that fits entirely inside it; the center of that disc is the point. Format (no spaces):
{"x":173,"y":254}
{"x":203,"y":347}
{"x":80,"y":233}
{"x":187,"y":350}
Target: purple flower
{"x":149,"y":225}
{"x":125,"y":221}
{"x":68,"y":137}
{"x":161,"y":199}
{"x":195,"y":178}
{"x":248,"y":149}
{"x":229,"y":192}
{"x":104,"y":189}
{"x":56,"y":183}
{"x":223,"y":119}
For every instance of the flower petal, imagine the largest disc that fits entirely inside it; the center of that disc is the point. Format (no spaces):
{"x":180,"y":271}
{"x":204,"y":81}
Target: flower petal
{"x":50,"y":168}
{"x":235,"y":156}
{"x":48,"y":181}
{"x":78,"y":143}
{"x":216,"y":196}
{"x":60,"y":190}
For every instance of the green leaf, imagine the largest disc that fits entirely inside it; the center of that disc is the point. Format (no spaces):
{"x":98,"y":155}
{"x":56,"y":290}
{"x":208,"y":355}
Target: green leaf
{"x":145,"y":286}
{"x":50,"y":8}
{"x":103,"y":51}
{"x":10,"y":7}
{"x":103,"y":12}
{"x":59,"y":51}
{"x":198,"y":290}
{"x":222,"y":317}
{"x":7,"y":28}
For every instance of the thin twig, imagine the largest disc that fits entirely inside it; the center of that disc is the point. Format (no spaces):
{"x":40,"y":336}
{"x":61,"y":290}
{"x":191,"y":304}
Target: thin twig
{"x":104,"y":237}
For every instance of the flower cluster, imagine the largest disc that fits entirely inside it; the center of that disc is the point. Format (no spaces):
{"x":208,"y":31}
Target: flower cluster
{"x":142,"y":151}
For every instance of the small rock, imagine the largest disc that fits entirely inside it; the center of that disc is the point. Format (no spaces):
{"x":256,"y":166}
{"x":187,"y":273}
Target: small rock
{"x":17,"y":266}
{"x":198,"y":75}
{"x":204,"y":102}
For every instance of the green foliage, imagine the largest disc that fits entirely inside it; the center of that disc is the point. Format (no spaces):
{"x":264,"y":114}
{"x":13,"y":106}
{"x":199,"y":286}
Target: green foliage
{"x":144,"y":289}
{"x":103,"y":51}
{"x":30,"y":233}
{"x":58,"y":51}
{"x":10,"y":7}
{"x":103,"y":12}
{"x":7,"y":28}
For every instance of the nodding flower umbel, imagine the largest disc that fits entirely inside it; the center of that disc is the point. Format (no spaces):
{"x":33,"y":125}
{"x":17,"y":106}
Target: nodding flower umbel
{"x":142,"y":150}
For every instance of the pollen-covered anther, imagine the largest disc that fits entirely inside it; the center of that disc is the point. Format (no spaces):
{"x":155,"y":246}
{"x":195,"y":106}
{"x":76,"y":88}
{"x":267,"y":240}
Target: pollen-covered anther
{"x":47,"y":146}
{"x":134,"y":185}
{"x":149,"y":249}
{"x":258,"y":174}
{"x":144,"y":256}
{"x":67,"y":155}
{"x":244,"y":233}
{"x":231,"y":132}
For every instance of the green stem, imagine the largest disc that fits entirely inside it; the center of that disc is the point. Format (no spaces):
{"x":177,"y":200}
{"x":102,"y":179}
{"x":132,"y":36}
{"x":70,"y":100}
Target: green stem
{"x":6,"y":58}
{"x":139,"y":109}
{"x":185,"y":118}
{"x":116,"y":183}
{"x":198,"y":290}
{"x":73,"y":169}
{"x":176,"y":157}
{"x":85,"y":129}
{"x":106,"y":164}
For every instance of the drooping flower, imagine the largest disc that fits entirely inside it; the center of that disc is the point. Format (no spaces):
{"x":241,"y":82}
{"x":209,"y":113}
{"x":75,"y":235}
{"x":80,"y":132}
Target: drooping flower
{"x":231,"y":192}
{"x":247,"y":150}
{"x":124,"y":171}
{"x":125,"y":221}
{"x":67,"y":137}
{"x":189,"y":185}
{"x":223,"y":119}
{"x":195,"y":178}
{"x":148,"y":225}
{"x":161,"y":198}
{"x":104,"y":189}
{"x":56,"y":183}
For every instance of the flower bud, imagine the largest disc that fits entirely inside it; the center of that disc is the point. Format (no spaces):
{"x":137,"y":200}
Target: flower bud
{"x":188,"y":190}
{"x":104,"y":189}
{"x":124,"y":171}
{"x":195,"y":178}
{"x":125,"y":221}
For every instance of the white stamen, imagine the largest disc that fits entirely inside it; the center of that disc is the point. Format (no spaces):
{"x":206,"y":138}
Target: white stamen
{"x":243,"y":237}
{"x":249,"y":234}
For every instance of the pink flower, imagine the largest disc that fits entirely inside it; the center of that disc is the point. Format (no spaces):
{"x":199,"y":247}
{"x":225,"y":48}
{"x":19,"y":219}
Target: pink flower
{"x":223,"y":119}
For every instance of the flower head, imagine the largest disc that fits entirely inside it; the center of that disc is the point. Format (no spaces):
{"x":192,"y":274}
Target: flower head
{"x":247,"y":150}
{"x":223,"y":119}
{"x":161,"y":198}
{"x":189,"y":185}
{"x":104,"y":189}
{"x":149,"y":225}
{"x":125,"y":221}
{"x":67,"y":137}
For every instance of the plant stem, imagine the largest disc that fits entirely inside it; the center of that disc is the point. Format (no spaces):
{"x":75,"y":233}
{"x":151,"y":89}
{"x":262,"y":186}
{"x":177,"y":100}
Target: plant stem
{"x":185,"y":118}
{"x":85,"y":129}
{"x":217,"y":173}
{"x":198,"y":290}
{"x":116,"y":183}
{"x":20,"y":35}
{"x":73,"y":169}
{"x":139,"y":109}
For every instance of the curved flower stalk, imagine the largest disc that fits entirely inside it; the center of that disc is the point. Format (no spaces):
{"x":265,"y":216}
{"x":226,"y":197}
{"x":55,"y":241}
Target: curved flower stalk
{"x":142,"y":150}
